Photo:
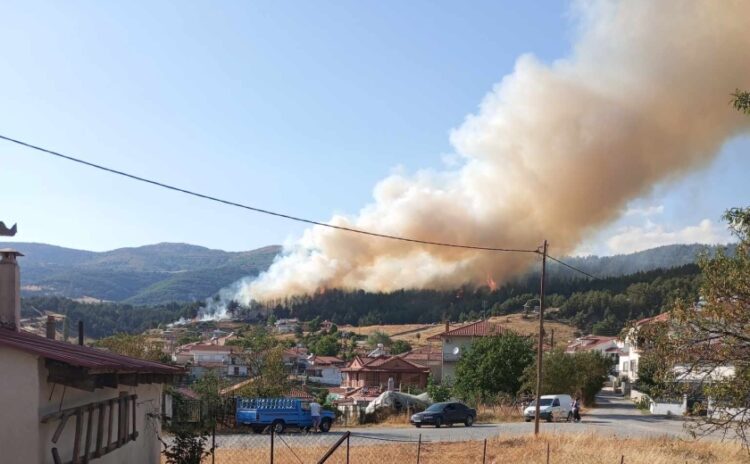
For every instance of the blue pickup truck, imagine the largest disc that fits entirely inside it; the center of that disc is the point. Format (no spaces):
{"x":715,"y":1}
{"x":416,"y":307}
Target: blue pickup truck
{"x":279,"y":413}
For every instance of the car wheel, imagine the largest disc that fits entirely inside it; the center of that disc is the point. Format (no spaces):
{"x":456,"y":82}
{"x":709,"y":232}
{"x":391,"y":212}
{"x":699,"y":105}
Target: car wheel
{"x":527,"y":419}
{"x":550,"y":418}
{"x":469,"y":421}
{"x":278,"y":426}
{"x":325,"y":426}
{"x":417,"y":425}
{"x":438,"y":423}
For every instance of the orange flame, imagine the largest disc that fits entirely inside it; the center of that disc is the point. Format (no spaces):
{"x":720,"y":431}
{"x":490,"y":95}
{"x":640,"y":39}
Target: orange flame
{"x":491,"y":283}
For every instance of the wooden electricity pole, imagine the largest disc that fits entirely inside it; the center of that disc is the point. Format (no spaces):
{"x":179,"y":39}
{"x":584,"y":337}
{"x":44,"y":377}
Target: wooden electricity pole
{"x":540,"y":347}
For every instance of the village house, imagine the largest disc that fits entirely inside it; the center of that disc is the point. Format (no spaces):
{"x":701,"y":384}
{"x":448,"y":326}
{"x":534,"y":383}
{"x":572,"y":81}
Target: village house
{"x":295,"y":360}
{"x":226,"y":361}
{"x":71,"y":403}
{"x":378,"y":372}
{"x":324,"y":369}
{"x":430,"y":356}
{"x":456,"y":341}
{"x":630,"y":352}
{"x":283,"y":326}
{"x":606,"y":346}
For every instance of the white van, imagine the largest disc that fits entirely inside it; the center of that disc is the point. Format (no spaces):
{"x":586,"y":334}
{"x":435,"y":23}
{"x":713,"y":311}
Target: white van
{"x":551,"y":407}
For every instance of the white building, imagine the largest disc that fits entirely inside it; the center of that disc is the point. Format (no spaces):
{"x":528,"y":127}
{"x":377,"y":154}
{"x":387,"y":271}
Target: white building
{"x":69,"y":403}
{"x":324,"y":369}
{"x":286,"y":325}
{"x":630,"y":353}
{"x":456,"y":341}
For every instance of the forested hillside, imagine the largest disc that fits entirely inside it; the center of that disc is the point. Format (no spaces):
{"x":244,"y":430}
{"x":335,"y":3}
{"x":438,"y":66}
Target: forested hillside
{"x":599,"y":306}
{"x":152,"y":274}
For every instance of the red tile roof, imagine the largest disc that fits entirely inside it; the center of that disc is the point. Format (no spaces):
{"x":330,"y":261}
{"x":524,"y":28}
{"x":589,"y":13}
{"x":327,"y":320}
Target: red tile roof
{"x":475,"y":329}
{"x":96,"y":361}
{"x":663,"y":317}
{"x":385,"y":364}
{"x":424,"y":354}
{"x":327,"y":360}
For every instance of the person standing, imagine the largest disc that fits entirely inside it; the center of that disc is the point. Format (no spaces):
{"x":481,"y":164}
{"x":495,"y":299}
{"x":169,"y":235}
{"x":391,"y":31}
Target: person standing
{"x":315,"y":413}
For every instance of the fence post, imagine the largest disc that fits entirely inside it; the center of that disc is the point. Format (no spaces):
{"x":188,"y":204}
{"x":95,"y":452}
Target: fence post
{"x":622,"y":459}
{"x":547,"y":452}
{"x":484,"y":453}
{"x":272,"y":432}
{"x":213,"y":443}
{"x":419,"y":447}
{"x":347,"y":449}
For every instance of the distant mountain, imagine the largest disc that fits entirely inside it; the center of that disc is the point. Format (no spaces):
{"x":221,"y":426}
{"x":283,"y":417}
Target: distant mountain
{"x":150,"y":274}
{"x":167,"y":272}
{"x":663,"y":257}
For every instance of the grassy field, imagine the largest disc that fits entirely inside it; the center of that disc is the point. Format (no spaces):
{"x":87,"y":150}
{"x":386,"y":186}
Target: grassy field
{"x":417,"y":334}
{"x":562,"y":449}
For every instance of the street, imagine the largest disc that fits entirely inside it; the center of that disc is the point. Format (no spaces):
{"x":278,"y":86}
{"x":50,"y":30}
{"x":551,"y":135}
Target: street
{"x":612,"y":416}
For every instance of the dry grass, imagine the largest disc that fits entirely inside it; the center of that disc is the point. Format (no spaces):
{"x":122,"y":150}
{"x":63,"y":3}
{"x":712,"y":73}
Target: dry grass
{"x":562,"y":448}
{"x":417,"y":334}
{"x":564,"y":333}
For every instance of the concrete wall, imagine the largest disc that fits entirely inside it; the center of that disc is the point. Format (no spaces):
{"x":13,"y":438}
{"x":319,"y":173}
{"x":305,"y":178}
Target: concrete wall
{"x":667,"y":409}
{"x":27,"y":397}
{"x":19,"y":403}
{"x":145,"y":449}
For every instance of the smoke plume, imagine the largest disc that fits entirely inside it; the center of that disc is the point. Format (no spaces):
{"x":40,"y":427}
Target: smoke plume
{"x":554,"y":151}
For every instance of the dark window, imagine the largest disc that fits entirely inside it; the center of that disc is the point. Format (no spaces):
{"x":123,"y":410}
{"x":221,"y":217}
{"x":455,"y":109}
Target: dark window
{"x":556,"y":402}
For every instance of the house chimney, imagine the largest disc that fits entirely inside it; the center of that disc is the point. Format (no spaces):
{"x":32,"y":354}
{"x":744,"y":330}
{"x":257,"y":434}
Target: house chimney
{"x":80,"y":333}
{"x":51,"y":327}
{"x":10,"y":289}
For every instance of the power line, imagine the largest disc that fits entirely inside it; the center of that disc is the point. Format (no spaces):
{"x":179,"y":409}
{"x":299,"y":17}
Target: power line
{"x":260,"y":210}
{"x":569,"y":266}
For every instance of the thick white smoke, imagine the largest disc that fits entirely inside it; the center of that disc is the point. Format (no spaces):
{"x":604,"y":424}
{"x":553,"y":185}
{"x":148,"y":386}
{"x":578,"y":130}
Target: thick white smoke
{"x":555,"y":151}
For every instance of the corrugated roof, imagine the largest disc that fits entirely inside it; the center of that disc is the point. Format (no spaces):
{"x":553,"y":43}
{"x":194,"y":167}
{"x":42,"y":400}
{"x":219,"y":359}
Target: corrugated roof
{"x":476,"y":329}
{"x":97,"y":361}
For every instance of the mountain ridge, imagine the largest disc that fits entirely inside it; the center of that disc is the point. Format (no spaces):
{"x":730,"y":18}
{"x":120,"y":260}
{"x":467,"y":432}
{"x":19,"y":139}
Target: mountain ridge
{"x":167,"y":271}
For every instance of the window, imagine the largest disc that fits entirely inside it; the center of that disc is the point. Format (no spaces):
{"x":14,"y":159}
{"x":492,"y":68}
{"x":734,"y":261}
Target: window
{"x":625,"y":366}
{"x":556,"y":402}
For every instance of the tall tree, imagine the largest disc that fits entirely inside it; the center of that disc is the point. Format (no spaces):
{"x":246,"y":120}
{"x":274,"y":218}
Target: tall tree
{"x":493,"y":365}
{"x":708,"y":343}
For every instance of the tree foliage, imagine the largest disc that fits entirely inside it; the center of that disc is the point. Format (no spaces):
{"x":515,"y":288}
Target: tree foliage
{"x":400,"y":346}
{"x":378,"y":338}
{"x":741,"y":101}
{"x":493,"y":365}
{"x":707,"y":346}
{"x":438,"y":392}
{"x":579,"y":374}
{"x":135,"y":346}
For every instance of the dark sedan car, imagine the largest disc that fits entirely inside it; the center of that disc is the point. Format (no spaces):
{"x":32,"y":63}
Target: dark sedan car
{"x":445,"y":414}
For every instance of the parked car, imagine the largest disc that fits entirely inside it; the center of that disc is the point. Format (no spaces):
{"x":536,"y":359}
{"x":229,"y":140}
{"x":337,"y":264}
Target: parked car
{"x":447,"y":413}
{"x":551,"y":407}
{"x":279,"y":413}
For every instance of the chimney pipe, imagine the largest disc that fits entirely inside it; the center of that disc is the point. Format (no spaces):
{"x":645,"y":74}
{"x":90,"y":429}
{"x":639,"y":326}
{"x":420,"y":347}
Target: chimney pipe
{"x":10,"y":289}
{"x":80,"y":333}
{"x":51,"y":327}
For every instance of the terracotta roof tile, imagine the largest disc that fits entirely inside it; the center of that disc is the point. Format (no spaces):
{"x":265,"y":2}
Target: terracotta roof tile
{"x":476,"y":329}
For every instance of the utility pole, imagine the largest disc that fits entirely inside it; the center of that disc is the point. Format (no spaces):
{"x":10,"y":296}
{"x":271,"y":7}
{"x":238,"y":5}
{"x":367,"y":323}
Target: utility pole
{"x":540,"y":348}
{"x":552,"y":340}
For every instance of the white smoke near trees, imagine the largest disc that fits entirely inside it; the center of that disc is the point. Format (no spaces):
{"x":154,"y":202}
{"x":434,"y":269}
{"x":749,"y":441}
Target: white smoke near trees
{"x":555,"y":151}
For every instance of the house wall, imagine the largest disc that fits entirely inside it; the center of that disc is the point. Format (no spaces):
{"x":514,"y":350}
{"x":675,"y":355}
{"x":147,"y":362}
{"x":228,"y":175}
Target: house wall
{"x":145,"y":449}
{"x":19,"y":403}
{"x":330,"y":375}
{"x":450,"y":360}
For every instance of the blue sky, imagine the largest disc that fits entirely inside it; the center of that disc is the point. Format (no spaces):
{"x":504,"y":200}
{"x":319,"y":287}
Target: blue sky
{"x":299,"y":107}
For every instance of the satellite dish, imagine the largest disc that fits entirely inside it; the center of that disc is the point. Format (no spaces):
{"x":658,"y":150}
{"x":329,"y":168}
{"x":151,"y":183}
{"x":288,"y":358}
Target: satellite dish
{"x":456,"y":350}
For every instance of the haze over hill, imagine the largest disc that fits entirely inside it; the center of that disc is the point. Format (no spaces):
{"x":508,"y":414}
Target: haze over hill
{"x":167,"y":272}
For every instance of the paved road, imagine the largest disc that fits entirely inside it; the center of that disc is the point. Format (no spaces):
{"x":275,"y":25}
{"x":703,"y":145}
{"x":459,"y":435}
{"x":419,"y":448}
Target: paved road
{"x":613,"y":416}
